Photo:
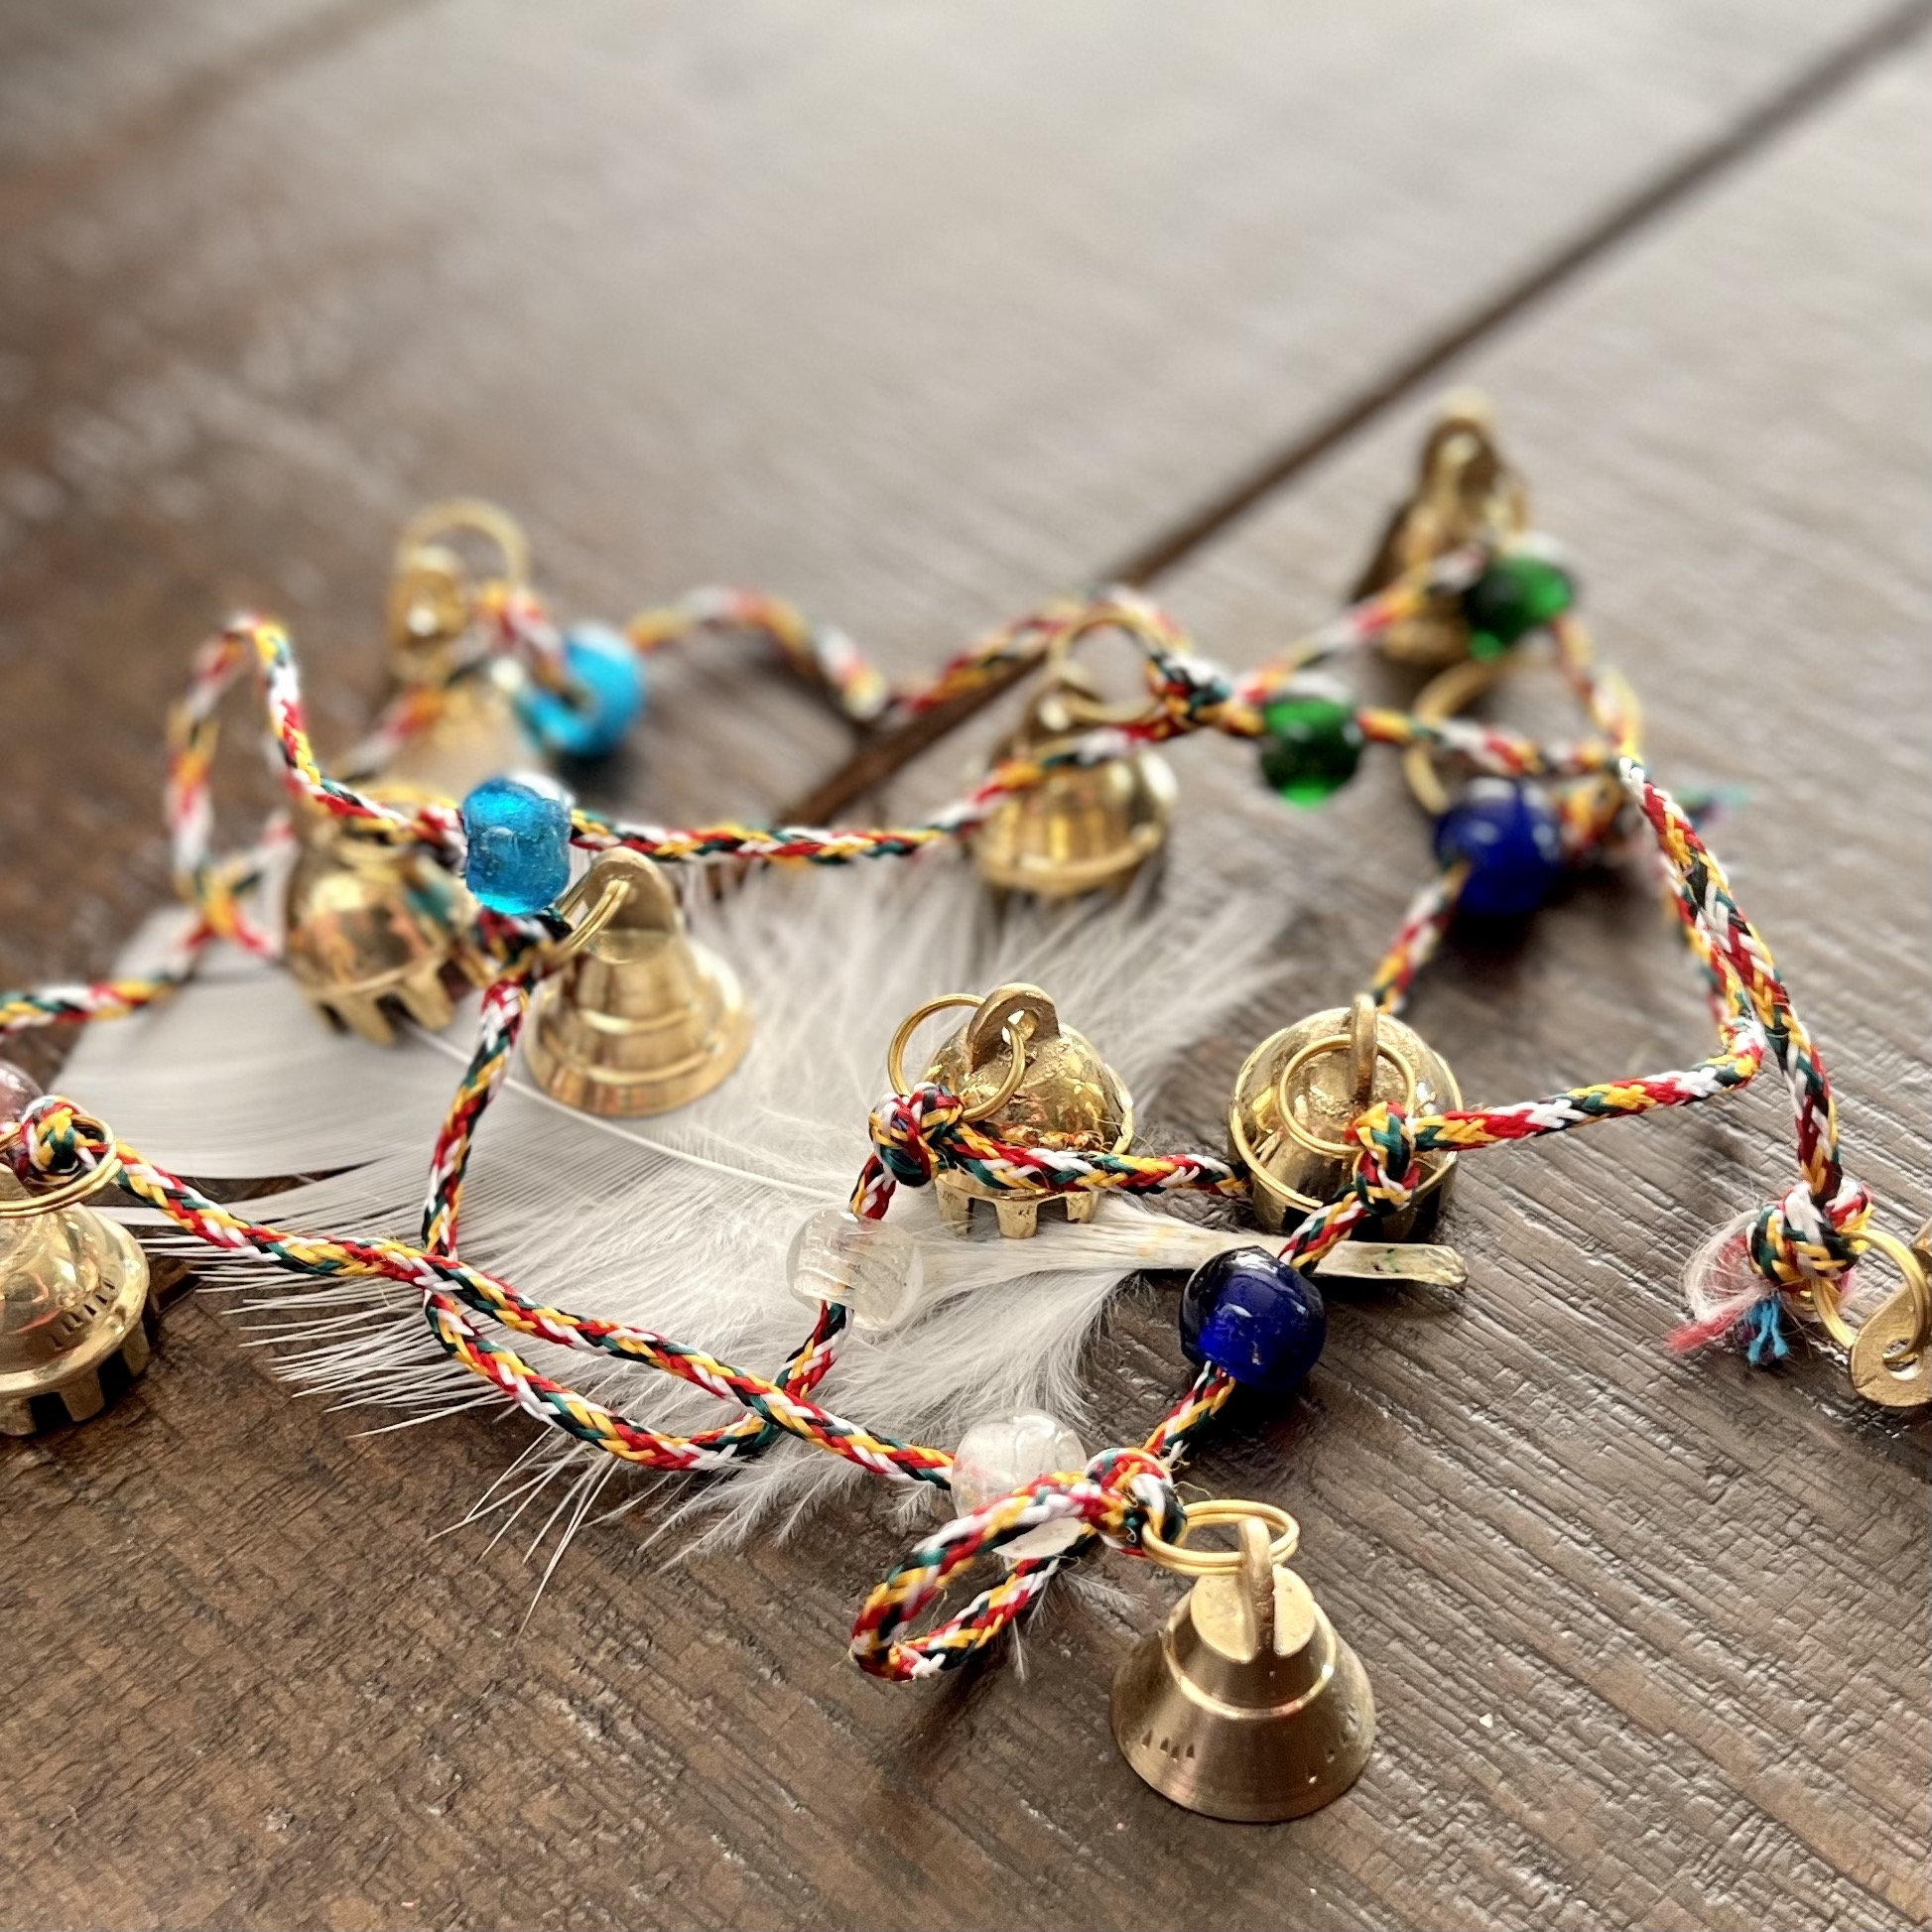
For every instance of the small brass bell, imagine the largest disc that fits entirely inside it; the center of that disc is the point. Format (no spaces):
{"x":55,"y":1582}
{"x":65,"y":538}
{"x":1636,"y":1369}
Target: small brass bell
{"x":1300,"y":1090}
{"x":77,"y":1311}
{"x":642,"y":1019}
{"x":1465,"y":493}
{"x":1246,"y":1705}
{"x":477,"y":729}
{"x":1083,"y":827}
{"x":1031,"y":1080}
{"x":369,"y":928}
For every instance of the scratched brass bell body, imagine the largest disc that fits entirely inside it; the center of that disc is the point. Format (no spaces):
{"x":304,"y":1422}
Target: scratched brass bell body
{"x":478,"y":730}
{"x":1466,"y":493}
{"x":76,"y":1315}
{"x":372,"y":930}
{"x":1083,"y":827}
{"x":1068,"y":1099}
{"x":1325,"y":1069}
{"x":642,"y":1019}
{"x":1246,"y":1705}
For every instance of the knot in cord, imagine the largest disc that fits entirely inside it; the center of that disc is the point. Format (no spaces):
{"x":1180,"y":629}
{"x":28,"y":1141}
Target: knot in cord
{"x":1387,"y":1169}
{"x":1799,"y":1239}
{"x":905,"y":1126}
{"x":1145,"y":1488}
{"x":52,"y":1140}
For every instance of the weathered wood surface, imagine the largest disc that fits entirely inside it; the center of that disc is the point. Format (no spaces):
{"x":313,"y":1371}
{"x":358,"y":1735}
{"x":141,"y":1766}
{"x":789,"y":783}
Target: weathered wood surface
{"x":973,"y":321}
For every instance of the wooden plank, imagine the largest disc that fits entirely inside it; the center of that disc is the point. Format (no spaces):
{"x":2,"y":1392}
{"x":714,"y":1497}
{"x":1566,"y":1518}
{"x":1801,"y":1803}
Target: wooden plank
{"x":257,"y":1694}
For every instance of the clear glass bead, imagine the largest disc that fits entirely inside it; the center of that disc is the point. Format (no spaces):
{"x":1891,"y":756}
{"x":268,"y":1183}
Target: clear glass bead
{"x":19,"y":1090}
{"x":873,"y":1271}
{"x":994,"y":1458}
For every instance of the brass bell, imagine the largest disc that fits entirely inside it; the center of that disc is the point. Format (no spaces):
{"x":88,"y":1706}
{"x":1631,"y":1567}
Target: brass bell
{"x":77,"y":1314}
{"x":642,"y":1018}
{"x":1465,"y":493}
{"x":1083,"y":827}
{"x":370,"y":928}
{"x":1246,"y":1705}
{"x":1300,"y":1090}
{"x":477,"y":729}
{"x":1028,"y":1080}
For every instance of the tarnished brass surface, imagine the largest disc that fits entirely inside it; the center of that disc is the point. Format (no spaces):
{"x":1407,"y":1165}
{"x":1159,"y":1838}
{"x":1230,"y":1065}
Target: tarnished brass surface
{"x":1067,"y":1097}
{"x":1083,"y":827}
{"x":75,"y":1313}
{"x":1246,"y":1705}
{"x":1465,"y":493}
{"x":1272,"y":1135}
{"x":642,"y":1018}
{"x":371,"y":929}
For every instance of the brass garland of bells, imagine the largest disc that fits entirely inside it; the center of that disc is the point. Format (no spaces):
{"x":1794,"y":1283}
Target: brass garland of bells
{"x":1083,"y":827}
{"x":1466,"y":493}
{"x":641,"y":1018}
{"x":1244,"y":1704}
{"x":77,"y":1312}
{"x":373,"y":930}
{"x":1029,"y":1079}
{"x":1302,"y":1088}
{"x":478,"y":730}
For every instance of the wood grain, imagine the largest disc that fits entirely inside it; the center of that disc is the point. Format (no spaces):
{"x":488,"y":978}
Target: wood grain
{"x":912,"y":321}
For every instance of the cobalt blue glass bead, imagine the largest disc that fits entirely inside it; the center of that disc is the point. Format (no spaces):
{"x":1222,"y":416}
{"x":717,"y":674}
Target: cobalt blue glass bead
{"x":592,"y":720}
{"x":1508,"y":833}
{"x":1251,"y":1313}
{"x":519,"y":838}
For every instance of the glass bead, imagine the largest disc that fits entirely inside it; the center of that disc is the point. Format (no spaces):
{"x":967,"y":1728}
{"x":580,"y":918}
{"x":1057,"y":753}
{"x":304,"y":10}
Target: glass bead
{"x":1311,"y":745}
{"x":1508,"y":834}
{"x":590,"y":722}
{"x":19,"y":1090}
{"x":994,"y":1459}
{"x":872,"y":1269}
{"x":1257,"y":1316}
{"x":1511,"y":598}
{"x":519,"y":832}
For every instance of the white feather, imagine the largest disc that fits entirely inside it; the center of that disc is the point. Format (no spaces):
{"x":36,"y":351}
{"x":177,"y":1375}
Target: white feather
{"x":680,"y":1224}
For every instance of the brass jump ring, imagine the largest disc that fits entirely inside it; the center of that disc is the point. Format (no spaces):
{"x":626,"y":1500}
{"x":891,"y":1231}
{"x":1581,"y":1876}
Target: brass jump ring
{"x":69,"y":1191}
{"x":592,"y":924}
{"x":1333,"y":1043}
{"x":1906,"y":1260}
{"x":483,"y":519}
{"x":895,"y":1054}
{"x":1221,"y":1563}
{"x":1083,"y":709}
{"x":1444,"y":696}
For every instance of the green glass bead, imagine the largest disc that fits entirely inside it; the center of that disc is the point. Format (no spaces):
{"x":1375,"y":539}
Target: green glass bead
{"x":1311,"y":745}
{"x":1511,"y":598}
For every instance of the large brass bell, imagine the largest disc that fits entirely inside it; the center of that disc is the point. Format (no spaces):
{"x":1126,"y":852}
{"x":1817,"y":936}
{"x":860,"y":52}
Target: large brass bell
{"x":476,"y":729}
{"x":1083,"y":827}
{"x":78,"y":1313}
{"x":1465,"y":494}
{"x":642,"y":1018}
{"x":371,"y":929}
{"x":1025,"y":1078}
{"x":1246,"y":1705}
{"x":1302,"y":1088}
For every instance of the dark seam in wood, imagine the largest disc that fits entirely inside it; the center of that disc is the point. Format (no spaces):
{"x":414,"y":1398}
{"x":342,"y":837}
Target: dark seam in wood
{"x":877,"y":760}
{"x":35,"y":188}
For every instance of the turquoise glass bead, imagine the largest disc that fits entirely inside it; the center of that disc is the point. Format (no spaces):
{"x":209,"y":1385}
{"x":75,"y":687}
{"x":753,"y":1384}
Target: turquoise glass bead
{"x":1254,"y":1316}
{"x":1507,"y":836}
{"x":1511,"y":598}
{"x":608,"y":699}
{"x":1311,"y":744}
{"x":519,"y":837}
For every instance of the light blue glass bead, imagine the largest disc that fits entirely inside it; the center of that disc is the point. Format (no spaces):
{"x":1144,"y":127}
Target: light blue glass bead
{"x":608,"y":699}
{"x":519,"y":845}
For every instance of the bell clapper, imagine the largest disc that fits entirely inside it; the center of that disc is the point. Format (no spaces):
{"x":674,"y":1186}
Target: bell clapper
{"x":639,"y":1018}
{"x":77,"y":1310}
{"x":1246,"y":1705}
{"x":1027,"y":1080}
